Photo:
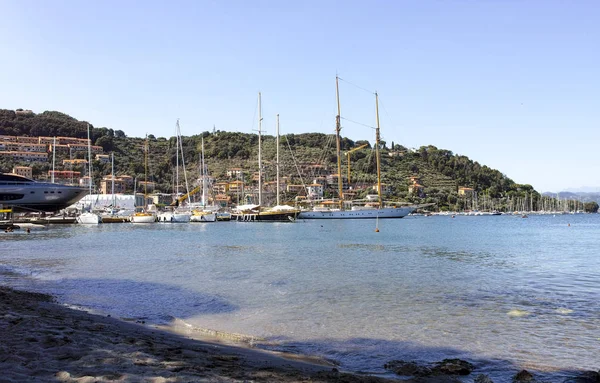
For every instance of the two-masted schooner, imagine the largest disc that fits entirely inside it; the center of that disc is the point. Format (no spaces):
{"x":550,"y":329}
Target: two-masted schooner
{"x":257,"y":213}
{"x":356,"y":211}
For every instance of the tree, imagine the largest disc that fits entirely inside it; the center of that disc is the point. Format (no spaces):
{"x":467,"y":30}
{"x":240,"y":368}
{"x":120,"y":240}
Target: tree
{"x":591,"y":207}
{"x":106,"y":142}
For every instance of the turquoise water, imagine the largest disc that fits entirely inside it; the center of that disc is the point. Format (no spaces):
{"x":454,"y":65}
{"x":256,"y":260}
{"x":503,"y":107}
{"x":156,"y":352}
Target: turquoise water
{"x":503,"y":292}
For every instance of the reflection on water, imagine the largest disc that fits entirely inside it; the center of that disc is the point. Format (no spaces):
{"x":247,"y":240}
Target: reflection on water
{"x":500,"y":291}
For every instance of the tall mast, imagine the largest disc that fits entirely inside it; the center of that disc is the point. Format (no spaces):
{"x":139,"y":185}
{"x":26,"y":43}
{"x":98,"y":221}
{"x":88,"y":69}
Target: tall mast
{"x":112,"y":173}
{"x":259,"y":153}
{"x":338,"y":127}
{"x":145,"y":169}
{"x":89,"y":157}
{"x":277,"y":162}
{"x":203,"y":176}
{"x":187,"y":188}
{"x":377,"y":154}
{"x":177,"y":160}
{"x":53,"y":158}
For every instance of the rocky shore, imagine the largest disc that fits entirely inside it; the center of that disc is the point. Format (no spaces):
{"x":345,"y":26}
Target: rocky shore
{"x":43,"y":341}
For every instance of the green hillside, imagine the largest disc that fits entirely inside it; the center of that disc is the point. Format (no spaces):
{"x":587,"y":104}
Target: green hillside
{"x":440,"y":172}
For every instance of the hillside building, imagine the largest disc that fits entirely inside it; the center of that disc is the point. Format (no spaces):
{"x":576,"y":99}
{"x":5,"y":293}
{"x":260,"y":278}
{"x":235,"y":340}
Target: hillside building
{"x":23,"y":171}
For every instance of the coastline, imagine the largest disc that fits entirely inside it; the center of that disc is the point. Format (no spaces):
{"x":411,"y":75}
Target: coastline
{"x":46,"y":341}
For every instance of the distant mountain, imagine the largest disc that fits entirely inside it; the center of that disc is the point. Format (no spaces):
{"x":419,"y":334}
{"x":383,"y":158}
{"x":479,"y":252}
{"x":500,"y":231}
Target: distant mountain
{"x":584,"y":189}
{"x":579,"y":196}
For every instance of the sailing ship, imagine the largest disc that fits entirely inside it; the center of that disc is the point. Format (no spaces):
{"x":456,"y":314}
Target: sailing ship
{"x":142,"y":215}
{"x":348,"y":209}
{"x":88,"y":217}
{"x":256,"y":213}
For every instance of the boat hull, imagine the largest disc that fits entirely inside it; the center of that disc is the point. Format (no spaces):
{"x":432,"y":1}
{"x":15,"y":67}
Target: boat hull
{"x":388,"y":212}
{"x":204,"y":217}
{"x":265,"y":217}
{"x":143,"y":218}
{"x":88,"y":219}
{"x":114,"y":219}
{"x":174,"y":217}
{"x":54,"y":220}
{"x":224,"y":217}
{"x":40,"y":196}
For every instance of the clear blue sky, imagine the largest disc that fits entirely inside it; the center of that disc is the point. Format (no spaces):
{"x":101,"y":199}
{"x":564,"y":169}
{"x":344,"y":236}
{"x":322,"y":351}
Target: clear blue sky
{"x":512,"y":84}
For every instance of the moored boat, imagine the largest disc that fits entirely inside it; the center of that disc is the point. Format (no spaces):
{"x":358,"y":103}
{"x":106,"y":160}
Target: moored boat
{"x":143,"y":217}
{"x":88,"y":217}
{"x":256,"y":213}
{"x":143,"y":214}
{"x":375,"y":209}
{"x":174,"y":216}
{"x":24,"y":194}
{"x":253,"y":213}
{"x":203,"y":216}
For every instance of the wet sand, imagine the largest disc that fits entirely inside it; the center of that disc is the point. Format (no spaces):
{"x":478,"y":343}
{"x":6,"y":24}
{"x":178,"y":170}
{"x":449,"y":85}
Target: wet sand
{"x":44,"y":341}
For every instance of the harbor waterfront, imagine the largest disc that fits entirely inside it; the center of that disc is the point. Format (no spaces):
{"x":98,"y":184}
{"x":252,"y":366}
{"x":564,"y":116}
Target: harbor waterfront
{"x":502,"y":292}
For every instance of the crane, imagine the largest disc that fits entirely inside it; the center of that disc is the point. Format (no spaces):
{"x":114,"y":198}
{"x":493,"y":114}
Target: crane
{"x":185,"y":196}
{"x":348,"y":157}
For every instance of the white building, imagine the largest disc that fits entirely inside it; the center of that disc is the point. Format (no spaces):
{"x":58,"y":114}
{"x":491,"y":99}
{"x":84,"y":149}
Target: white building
{"x":314,"y":190}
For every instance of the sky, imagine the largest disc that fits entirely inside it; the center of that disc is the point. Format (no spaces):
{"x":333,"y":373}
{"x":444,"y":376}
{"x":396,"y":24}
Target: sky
{"x":514,"y":85}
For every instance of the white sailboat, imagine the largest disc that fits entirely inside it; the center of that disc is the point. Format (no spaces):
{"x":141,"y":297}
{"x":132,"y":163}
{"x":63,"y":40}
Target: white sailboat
{"x":142,"y":214}
{"x":350,"y":210}
{"x":204,"y":213}
{"x":88,"y":217}
{"x":178,"y":214}
{"x":113,"y":214}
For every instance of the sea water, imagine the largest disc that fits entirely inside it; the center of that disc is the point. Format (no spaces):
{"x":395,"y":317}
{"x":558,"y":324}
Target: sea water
{"x":503,"y":292}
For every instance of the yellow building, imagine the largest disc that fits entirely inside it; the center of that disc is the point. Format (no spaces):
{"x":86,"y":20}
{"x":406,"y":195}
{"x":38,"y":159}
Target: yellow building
{"x":465,"y":191}
{"x":28,"y":140}
{"x":106,"y":185}
{"x":221,"y":187}
{"x":26,"y":156}
{"x":24,"y":171}
{"x":234,"y":187}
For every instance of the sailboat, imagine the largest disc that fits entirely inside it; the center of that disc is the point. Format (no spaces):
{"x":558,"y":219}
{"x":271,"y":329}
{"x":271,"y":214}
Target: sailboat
{"x":87,"y":217}
{"x":178,"y":214}
{"x":256,"y":213}
{"x":142,"y":215}
{"x":204,"y":213}
{"x":112,"y":214}
{"x":378,"y":210}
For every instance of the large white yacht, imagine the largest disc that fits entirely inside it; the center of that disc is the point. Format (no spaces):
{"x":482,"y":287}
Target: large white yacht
{"x":24,"y":194}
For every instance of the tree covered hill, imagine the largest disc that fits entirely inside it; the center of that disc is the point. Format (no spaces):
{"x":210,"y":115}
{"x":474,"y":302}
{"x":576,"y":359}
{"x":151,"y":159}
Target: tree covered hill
{"x":439,"y":171}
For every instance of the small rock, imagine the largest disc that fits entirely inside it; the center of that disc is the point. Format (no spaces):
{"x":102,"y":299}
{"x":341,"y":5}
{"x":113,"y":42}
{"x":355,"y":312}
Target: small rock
{"x":482,"y":378}
{"x":63,"y":375}
{"x":523,"y":376}
{"x":404,"y":368}
{"x":453,"y":367}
